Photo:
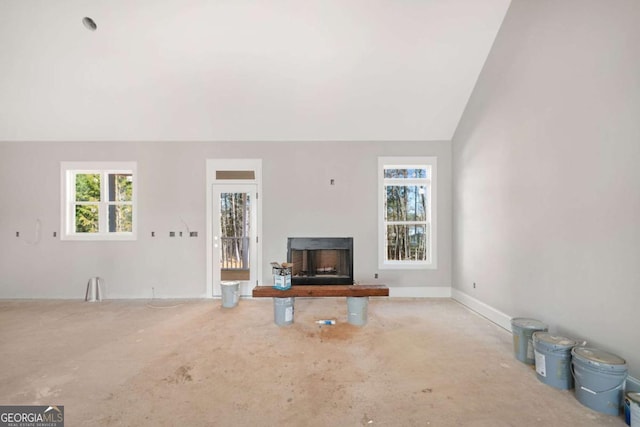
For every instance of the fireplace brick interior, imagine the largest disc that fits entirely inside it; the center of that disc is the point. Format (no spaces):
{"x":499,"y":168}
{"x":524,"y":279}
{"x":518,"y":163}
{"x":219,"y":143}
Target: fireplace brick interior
{"x":321,"y":260}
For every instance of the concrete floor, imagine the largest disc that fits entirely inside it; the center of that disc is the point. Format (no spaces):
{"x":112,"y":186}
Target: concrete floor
{"x":192,"y":363}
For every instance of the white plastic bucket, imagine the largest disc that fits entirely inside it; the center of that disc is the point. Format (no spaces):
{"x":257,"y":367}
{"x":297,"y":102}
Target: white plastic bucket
{"x":357,"y":310}
{"x":634,"y":409}
{"x":230,"y":294}
{"x":283,"y":311}
{"x":523,"y":330}
{"x":599,"y":378}
{"x":553,"y":359}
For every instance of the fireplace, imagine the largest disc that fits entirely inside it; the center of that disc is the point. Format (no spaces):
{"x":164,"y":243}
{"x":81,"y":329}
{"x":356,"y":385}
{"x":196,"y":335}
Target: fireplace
{"x":320,"y":260}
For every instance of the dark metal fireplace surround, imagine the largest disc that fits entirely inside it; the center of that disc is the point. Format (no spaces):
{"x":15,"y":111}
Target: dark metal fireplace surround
{"x":321,"y":260}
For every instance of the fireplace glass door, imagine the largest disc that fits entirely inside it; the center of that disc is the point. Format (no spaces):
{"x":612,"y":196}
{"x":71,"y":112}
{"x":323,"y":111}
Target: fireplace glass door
{"x":321,"y":261}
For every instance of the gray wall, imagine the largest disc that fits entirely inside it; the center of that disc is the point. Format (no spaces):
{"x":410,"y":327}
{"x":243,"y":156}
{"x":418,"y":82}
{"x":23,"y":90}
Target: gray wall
{"x":546,"y":172}
{"x":297,"y":201}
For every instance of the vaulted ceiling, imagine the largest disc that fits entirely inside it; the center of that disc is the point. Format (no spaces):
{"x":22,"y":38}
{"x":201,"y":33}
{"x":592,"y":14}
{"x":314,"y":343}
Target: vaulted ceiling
{"x":240,"y":69}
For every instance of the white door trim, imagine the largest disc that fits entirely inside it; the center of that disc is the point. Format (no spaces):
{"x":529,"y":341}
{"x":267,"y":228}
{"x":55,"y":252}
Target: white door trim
{"x":213,"y":165}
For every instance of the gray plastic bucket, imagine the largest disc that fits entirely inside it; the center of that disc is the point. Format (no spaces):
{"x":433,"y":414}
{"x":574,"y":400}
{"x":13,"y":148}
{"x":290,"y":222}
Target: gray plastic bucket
{"x":599,"y":378}
{"x":283,"y":311}
{"x":357,"y":310}
{"x":523,"y":330}
{"x":553,"y":359}
{"x":634,"y":409}
{"x":230,"y":294}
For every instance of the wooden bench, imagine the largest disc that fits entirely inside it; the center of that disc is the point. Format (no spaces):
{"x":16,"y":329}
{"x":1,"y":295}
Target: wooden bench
{"x":322,"y":291}
{"x":315,"y":291}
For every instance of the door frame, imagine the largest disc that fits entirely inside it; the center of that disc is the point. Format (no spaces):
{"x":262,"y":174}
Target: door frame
{"x":212,"y":166}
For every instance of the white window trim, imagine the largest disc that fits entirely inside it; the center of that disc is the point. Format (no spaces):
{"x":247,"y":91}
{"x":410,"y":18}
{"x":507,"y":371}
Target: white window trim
{"x":67,"y":215}
{"x":383,"y":162}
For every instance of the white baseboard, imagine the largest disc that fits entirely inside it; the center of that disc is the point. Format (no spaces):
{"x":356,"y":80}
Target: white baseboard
{"x":632,"y":385}
{"x":499,"y":318}
{"x":503,"y":320}
{"x":420,"y":292}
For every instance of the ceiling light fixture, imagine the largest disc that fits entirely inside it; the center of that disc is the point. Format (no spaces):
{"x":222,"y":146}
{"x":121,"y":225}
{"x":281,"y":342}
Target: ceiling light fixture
{"x":89,"y":23}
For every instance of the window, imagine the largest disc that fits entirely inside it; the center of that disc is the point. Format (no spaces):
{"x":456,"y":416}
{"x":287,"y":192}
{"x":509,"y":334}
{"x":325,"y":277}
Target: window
{"x":407,"y":212}
{"x":98,"y":200}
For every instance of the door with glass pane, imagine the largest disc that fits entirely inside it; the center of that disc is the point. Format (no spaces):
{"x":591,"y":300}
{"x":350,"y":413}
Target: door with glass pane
{"x":234,"y":236}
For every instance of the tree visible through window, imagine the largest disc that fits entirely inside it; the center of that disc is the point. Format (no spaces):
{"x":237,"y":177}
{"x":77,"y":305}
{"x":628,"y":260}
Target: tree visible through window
{"x":99,"y":202}
{"x":406,"y":218}
{"x":235,"y":230}
{"x":87,"y":200}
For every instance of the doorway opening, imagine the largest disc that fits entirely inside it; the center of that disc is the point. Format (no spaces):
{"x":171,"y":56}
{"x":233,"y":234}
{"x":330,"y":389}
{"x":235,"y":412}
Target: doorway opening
{"x":236,"y":232}
{"x":235,"y":235}
{"x":233,"y":224}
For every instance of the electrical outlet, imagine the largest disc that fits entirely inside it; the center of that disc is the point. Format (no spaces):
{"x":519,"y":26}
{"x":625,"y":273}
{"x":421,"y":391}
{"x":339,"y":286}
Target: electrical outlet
{"x":55,"y":234}
{"x":17,"y":234}
{"x":193,"y":234}
{"x":474,"y":285}
{"x":375,"y":276}
{"x":172,"y":234}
